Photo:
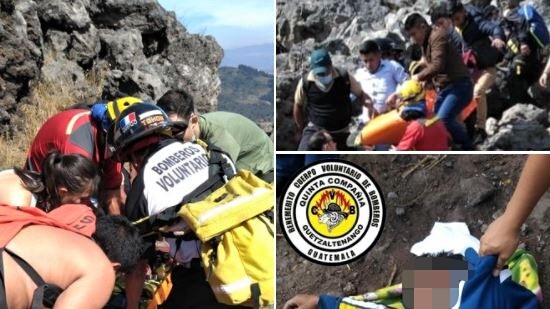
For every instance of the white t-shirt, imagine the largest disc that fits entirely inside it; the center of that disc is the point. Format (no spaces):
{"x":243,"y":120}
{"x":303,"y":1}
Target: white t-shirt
{"x":380,"y":84}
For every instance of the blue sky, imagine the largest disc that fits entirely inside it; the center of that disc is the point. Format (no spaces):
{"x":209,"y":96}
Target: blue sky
{"x":233,"y":23}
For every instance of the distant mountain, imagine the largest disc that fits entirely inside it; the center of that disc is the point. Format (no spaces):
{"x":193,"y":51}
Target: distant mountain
{"x":247,"y":91}
{"x":257,"y":56}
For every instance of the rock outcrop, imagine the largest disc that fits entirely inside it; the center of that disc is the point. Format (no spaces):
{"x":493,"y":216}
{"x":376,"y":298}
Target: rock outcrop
{"x":522,"y":127}
{"x":140,"y":49}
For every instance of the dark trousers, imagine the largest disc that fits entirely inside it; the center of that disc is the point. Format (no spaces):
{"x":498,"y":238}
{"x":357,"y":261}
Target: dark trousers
{"x":190,"y":290}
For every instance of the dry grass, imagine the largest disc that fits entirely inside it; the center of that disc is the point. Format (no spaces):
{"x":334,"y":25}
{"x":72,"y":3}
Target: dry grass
{"x":48,"y":97}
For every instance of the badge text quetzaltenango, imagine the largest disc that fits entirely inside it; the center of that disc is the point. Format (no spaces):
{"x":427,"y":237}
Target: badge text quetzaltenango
{"x":363,"y":209}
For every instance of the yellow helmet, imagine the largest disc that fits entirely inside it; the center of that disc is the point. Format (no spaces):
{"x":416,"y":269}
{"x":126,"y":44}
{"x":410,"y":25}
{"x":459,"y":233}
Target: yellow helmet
{"x":410,"y":91}
{"x":114,"y":108}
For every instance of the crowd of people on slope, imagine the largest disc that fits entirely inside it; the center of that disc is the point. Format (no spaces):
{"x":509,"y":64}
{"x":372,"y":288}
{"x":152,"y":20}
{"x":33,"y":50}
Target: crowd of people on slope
{"x":65,"y":216}
{"x":466,"y":52}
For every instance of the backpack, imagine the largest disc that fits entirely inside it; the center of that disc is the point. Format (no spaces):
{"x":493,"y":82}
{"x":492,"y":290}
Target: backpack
{"x":237,"y":237}
{"x":234,"y":223}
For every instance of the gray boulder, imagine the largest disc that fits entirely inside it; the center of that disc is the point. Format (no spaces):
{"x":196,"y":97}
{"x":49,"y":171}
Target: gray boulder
{"x":64,"y":15}
{"x":522,"y":127}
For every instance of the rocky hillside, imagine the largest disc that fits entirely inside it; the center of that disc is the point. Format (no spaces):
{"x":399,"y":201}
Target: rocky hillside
{"x":247,"y":91}
{"x":340,"y":26}
{"x":134,"y":46}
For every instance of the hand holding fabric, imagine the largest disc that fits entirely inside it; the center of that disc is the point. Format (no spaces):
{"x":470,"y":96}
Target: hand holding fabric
{"x":502,"y":239}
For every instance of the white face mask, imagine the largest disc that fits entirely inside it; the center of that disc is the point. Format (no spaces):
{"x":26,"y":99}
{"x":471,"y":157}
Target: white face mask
{"x":325,"y":80}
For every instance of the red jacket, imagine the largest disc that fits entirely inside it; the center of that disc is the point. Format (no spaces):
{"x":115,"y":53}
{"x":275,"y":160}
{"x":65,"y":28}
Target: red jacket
{"x":422,"y":138}
{"x":73,"y":131}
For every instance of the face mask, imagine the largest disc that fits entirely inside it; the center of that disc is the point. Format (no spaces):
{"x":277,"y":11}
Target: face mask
{"x":325,"y":80}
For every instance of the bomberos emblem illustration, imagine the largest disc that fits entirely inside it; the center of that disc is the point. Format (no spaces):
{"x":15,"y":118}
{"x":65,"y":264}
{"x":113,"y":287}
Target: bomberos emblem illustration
{"x":332,"y":212}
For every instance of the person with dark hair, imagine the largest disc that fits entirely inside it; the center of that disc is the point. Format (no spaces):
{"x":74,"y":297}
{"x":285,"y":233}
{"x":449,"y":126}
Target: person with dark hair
{"x":378,"y":78}
{"x":445,"y":68}
{"x":56,"y":260}
{"x":120,"y":241}
{"x":243,"y":140}
{"x":83,"y":131}
{"x":322,"y":100}
{"x":70,"y":178}
{"x":534,"y":32}
{"x":446,"y":272}
{"x":485,"y":39}
{"x":177,"y":103}
{"x":441,"y":16}
{"x":168,"y":170}
{"x":528,"y":43}
{"x":492,"y":13}
{"x":321,"y":141}
{"x":390,"y":49}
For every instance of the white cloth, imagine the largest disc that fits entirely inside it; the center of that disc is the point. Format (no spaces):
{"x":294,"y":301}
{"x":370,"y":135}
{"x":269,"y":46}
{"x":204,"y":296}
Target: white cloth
{"x":451,"y":237}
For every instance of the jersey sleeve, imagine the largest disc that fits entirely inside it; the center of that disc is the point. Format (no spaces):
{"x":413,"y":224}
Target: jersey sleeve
{"x":351,"y":302}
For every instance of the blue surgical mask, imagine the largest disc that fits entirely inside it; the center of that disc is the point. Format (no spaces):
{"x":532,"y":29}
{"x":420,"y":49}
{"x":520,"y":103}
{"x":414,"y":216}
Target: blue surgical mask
{"x":325,"y":80}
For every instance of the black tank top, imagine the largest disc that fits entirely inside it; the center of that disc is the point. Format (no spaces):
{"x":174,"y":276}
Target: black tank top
{"x":329,"y":110}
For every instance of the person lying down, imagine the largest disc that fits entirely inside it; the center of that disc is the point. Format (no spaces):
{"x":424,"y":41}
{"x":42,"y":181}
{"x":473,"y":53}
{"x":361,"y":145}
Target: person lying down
{"x":447,"y":272}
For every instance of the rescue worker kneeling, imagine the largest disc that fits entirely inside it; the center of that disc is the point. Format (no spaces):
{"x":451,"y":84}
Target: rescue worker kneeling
{"x":168,"y":170}
{"x":421,"y":134}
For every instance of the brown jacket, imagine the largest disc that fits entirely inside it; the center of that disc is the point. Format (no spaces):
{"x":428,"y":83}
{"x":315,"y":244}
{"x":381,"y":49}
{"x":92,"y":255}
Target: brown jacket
{"x":444,"y":63}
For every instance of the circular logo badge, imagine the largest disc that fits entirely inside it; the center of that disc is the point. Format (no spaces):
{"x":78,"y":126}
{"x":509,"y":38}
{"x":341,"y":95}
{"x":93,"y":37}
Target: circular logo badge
{"x":332,"y":212}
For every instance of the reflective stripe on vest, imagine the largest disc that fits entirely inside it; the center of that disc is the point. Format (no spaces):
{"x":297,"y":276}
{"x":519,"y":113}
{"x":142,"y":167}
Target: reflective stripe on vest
{"x":70,"y":126}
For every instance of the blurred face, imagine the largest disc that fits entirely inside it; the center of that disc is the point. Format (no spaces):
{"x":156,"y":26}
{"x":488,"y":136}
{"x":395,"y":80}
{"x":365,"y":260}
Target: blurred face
{"x":459,"y":18}
{"x":192,"y":128}
{"x":432,"y":289}
{"x":437,"y":288}
{"x":418,"y":34}
{"x":444,"y":23}
{"x":371,"y":61}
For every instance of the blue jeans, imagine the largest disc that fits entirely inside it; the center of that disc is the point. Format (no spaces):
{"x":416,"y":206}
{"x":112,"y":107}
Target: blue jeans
{"x":450,"y":101}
